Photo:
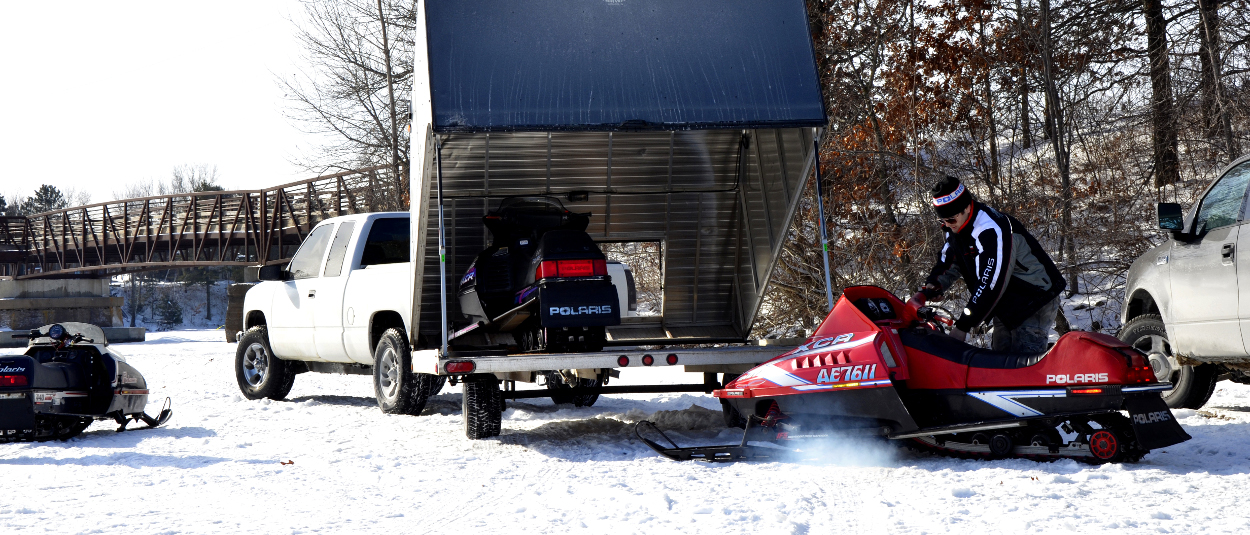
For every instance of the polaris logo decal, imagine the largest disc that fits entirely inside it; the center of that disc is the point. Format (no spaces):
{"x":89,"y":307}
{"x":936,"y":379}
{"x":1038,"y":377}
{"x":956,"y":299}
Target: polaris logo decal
{"x":1152,"y":417}
{"x":472,"y":274}
{"x":11,"y":369}
{"x":578,"y":311}
{"x":847,"y":373}
{"x":1077,"y":378}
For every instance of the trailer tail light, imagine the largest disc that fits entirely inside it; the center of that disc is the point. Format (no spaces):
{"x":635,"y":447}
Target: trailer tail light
{"x":460,"y":366}
{"x":571,"y":268}
{"x":671,"y":359}
{"x":622,"y":361}
{"x":13,"y":380}
{"x":648,"y":360}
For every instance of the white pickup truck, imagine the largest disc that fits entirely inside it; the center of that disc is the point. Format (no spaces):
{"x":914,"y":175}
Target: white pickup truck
{"x":343,"y":305}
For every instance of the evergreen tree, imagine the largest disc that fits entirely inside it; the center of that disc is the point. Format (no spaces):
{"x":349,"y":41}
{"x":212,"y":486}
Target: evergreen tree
{"x":46,"y":199}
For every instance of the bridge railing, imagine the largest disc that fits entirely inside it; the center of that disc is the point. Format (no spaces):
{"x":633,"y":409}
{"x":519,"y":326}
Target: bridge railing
{"x":218,"y":228}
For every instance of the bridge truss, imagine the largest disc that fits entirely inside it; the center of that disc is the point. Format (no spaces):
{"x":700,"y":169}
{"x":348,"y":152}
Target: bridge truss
{"x":215,"y":228}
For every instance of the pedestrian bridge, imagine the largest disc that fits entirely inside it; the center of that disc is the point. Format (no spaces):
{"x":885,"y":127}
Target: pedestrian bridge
{"x":215,"y":228}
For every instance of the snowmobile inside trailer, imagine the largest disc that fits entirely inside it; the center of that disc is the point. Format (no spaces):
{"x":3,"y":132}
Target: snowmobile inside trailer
{"x":68,"y":378}
{"x":542,"y":277}
{"x":878,"y":366}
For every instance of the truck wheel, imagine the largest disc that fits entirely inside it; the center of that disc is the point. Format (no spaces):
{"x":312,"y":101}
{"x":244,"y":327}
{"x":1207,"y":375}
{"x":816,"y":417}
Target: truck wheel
{"x":1192,"y":386}
{"x":482,"y":406}
{"x":400,"y":390}
{"x":260,"y":374}
{"x":559,"y":390}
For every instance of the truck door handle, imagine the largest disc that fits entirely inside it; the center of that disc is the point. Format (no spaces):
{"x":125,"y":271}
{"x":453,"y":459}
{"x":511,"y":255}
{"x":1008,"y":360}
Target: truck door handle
{"x":312,"y":293}
{"x":1227,"y":250}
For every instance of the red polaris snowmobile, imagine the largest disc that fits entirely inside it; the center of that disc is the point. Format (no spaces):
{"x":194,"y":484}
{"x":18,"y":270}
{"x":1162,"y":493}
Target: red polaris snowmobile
{"x":879,"y":366}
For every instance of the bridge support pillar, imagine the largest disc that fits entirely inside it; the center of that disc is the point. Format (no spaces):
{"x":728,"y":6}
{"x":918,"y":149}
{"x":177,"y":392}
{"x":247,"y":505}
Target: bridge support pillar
{"x":27,"y":304}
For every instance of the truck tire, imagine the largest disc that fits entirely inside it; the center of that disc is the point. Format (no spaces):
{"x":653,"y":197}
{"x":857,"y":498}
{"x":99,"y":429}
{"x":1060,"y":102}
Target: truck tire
{"x":559,"y":390}
{"x":400,"y":390}
{"x":482,"y":406}
{"x":261,"y":374}
{"x":1192,"y":386}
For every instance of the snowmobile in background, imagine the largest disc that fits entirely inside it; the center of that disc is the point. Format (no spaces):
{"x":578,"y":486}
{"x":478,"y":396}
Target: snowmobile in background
{"x":68,"y":378}
{"x":542,"y":278}
{"x":877,"y":366}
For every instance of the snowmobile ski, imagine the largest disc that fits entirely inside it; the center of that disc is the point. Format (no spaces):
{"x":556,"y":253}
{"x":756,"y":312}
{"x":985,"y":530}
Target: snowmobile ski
{"x":724,"y":453}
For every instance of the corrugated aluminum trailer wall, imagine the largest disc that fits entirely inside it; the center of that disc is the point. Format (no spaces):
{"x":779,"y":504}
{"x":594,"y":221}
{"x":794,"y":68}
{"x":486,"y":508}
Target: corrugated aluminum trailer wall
{"x":719,"y":201}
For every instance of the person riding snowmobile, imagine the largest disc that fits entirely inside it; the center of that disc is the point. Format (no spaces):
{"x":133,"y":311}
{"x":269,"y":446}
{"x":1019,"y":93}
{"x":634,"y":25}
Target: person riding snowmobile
{"x":1010,"y":280}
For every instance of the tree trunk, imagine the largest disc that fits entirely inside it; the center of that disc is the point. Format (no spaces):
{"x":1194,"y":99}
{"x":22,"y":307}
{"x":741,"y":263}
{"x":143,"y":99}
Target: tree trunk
{"x":989,"y":108}
{"x":1026,"y":127}
{"x":1163,"y":116}
{"x":1058,"y":139}
{"x":1216,"y":119}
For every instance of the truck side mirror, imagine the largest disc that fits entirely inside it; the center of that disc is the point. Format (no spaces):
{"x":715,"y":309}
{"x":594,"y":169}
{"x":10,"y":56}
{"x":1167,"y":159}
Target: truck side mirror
{"x":273,"y":273}
{"x":1170,"y":217}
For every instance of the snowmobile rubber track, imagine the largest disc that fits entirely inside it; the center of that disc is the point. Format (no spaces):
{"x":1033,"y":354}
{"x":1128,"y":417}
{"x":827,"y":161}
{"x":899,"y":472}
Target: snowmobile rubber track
{"x":1076,"y":450}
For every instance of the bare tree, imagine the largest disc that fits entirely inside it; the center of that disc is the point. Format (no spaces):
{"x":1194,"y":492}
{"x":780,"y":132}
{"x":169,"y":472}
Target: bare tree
{"x":184,"y":178}
{"x":357,"y":87}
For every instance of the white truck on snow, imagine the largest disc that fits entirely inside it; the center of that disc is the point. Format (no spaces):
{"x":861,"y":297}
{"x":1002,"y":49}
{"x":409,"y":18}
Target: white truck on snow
{"x":689,"y":136}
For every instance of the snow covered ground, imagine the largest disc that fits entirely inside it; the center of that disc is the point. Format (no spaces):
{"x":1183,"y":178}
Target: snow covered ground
{"x":217,"y":467}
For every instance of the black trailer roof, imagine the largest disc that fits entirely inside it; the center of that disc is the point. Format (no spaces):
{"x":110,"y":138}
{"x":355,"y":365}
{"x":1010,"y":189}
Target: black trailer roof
{"x":531,"y":65}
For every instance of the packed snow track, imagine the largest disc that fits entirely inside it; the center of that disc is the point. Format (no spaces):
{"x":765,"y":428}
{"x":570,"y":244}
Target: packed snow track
{"x":328,"y":461}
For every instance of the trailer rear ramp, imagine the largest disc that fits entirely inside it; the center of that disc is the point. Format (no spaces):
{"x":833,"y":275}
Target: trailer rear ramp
{"x":690,"y":124}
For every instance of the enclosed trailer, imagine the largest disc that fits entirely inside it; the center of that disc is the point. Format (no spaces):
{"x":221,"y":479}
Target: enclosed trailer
{"x":686,"y":124}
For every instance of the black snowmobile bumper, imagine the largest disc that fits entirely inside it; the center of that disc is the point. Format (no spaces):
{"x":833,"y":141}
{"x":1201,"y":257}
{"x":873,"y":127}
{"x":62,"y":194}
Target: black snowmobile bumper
{"x":578,"y":304}
{"x":1153,"y":422}
{"x":17,"y":412}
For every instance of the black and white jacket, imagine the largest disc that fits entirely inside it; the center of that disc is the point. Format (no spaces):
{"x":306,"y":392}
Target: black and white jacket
{"x":1008,"y":274}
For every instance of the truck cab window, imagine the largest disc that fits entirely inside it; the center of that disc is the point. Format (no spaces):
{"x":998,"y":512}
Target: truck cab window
{"x":338,"y":249}
{"x":1222,"y":205}
{"x":307,"y":260}
{"x":387,"y":242}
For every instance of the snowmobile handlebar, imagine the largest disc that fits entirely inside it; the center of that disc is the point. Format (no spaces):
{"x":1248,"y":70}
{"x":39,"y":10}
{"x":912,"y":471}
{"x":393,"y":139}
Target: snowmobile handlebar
{"x":929,"y":313}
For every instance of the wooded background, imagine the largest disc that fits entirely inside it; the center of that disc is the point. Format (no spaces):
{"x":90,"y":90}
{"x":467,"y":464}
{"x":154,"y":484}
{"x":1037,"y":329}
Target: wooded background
{"x":1075,"y":117}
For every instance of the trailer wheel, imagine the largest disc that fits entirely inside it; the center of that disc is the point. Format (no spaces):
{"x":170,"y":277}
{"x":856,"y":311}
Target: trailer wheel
{"x":733,"y":418}
{"x":259,"y":373}
{"x":559,"y":390}
{"x":482,"y":406}
{"x":398,"y":389}
{"x":1192,"y":386}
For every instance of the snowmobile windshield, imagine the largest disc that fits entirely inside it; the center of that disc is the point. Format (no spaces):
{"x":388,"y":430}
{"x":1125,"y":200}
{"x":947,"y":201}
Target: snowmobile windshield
{"x":529,"y":217}
{"x":87,"y":330}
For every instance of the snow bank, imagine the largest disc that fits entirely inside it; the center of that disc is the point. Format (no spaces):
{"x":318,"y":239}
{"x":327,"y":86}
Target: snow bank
{"x":328,"y":461}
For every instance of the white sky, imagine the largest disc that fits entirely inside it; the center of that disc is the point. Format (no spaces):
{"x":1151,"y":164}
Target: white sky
{"x":96,"y":95}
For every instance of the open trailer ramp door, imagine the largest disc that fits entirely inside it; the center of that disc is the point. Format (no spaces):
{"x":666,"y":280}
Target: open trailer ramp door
{"x":687,"y":123}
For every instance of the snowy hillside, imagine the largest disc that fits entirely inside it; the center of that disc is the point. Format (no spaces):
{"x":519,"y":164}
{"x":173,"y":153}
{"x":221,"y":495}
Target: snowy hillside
{"x":218,"y":467}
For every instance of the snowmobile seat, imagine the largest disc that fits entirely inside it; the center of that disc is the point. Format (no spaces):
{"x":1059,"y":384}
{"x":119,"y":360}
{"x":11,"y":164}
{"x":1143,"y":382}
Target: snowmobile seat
{"x":58,"y":375}
{"x":962,"y":353}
